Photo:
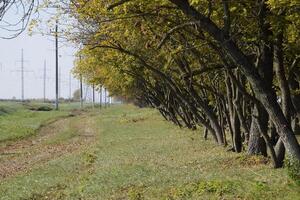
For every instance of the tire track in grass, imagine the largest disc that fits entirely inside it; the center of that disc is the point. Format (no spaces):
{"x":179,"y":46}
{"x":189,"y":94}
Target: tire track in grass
{"x":23,"y":155}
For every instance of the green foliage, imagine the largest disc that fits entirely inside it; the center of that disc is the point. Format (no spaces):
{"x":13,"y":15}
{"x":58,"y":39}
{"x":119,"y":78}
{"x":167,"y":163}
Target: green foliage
{"x":76,"y":95}
{"x":213,"y":187}
{"x":135,"y":193}
{"x":6,"y":110}
{"x":38,"y":107}
{"x":292,"y":166}
{"x":56,"y":193}
{"x":261,"y":186}
{"x":89,"y":158}
{"x":217,"y":187}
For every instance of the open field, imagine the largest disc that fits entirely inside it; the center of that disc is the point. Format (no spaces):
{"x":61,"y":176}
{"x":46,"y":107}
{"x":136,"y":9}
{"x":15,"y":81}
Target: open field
{"x":19,"y":120}
{"x":123,"y":152}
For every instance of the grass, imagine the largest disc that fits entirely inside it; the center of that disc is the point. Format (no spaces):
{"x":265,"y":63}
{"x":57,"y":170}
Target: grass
{"x":138,"y":155}
{"x":19,"y":121}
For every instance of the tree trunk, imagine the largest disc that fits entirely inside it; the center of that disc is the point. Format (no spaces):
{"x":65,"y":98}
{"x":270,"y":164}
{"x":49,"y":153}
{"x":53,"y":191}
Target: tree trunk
{"x":232,"y":98}
{"x":263,"y":93}
{"x":256,"y":143}
{"x":286,"y":101}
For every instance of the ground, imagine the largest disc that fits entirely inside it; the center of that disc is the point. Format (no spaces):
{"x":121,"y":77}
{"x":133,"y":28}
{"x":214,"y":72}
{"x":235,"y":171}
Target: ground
{"x":124,"y":152}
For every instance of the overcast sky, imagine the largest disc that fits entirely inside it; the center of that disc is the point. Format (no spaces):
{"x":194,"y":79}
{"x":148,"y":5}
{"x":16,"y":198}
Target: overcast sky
{"x":37,"y":48}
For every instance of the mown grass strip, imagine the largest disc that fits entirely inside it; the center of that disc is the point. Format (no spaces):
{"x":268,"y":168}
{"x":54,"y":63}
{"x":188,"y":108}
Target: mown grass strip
{"x":138,"y":155}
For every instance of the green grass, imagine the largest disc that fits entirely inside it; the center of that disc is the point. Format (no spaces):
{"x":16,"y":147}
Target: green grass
{"x":138,"y":155}
{"x":18,"y":121}
{"x":69,"y":130}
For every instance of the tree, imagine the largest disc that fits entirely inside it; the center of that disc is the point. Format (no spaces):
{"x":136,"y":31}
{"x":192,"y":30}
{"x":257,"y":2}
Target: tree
{"x":21,"y":11}
{"x":76,"y":95}
{"x":264,"y":93}
{"x":200,"y":64}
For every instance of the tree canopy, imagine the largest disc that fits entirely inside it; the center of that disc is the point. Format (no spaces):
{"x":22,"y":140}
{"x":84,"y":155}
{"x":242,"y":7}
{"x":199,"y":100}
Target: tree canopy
{"x":231,"y":67}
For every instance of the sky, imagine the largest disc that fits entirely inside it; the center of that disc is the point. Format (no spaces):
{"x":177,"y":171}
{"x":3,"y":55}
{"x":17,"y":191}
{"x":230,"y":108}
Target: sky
{"x":37,"y":50}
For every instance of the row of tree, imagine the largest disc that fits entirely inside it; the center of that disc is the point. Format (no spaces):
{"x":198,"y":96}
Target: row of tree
{"x":229,"y":66}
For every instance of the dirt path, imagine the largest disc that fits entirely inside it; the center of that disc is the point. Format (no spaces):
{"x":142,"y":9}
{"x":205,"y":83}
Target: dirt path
{"x":52,"y":141}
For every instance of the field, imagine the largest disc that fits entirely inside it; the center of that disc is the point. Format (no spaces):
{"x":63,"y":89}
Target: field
{"x":19,"y":121}
{"x":123,"y":152}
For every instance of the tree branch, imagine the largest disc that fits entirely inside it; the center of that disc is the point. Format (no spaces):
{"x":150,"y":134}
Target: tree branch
{"x":112,"y":6}
{"x":170,"y":32}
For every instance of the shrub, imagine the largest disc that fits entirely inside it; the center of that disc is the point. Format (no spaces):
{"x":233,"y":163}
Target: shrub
{"x":38,"y":107}
{"x":292,"y":166}
{"x":4,"y":111}
{"x":44,"y":108}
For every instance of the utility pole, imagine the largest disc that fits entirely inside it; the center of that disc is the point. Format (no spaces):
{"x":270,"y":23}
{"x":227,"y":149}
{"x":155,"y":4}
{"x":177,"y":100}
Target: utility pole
{"x":45,"y":69}
{"x":86,"y":91}
{"x":100,"y":96}
{"x":22,"y":73}
{"x":56,"y":66}
{"x":105,"y":97}
{"x":81,"y":92}
{"x":93,"y":95}
{"x":109,"y":101}
{"x":59,"y":82}
{"x":70,"y":87}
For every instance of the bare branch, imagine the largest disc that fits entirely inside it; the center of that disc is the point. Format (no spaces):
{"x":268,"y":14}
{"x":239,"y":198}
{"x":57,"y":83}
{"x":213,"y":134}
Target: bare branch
{"x":112,"y":6}
{"x":170,"y":32}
